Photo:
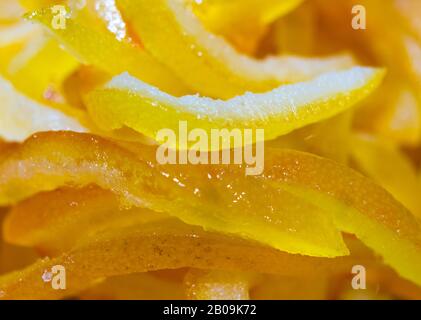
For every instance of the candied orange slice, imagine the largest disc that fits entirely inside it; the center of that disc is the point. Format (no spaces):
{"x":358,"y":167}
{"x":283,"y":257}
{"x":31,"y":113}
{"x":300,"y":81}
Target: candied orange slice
{"x":243,"y":22}
{"x":172,"y":34}
{"x":101,"y":48}
{"x":126,"y":101}
{"x":385,"y":163}
{"x":160,"y":245}
{"x":298,"y":205}
{"x":21,"y":116}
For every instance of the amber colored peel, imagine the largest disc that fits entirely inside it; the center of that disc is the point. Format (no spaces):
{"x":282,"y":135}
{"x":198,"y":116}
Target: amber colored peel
{"x":275,"y":287}
{"x":290,"y":225}
{"x":346,"y":199}
{"x":156,"y":246}
{"x":139,"y":286}
{"x":55,"y":221}
{"x":13,"y":257}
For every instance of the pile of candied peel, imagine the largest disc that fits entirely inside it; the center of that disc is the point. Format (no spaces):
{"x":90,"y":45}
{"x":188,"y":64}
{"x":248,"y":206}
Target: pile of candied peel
{"x":101,"y":197}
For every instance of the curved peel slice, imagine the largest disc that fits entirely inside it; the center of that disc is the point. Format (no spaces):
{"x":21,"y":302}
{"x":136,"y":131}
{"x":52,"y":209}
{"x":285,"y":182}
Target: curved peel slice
{"x":55,"y":221}
{"x":222,"y":14}
{"x":279,"y":218}
{"x":160,"y":245}
{"x":209,"y":195}
{"x":101,"y":49}
{"x":243,"y":22}
{"x":126,"y":101}
{"x":21,"y":116}
{"x":173,"y":35}
{"x":386,"y":164}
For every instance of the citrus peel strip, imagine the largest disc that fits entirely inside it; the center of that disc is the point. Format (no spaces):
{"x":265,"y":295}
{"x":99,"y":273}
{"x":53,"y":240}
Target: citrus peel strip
{"x":101,"y":49}
{"x":200,"y":195}
{"x":173,"y":34}
{"x":160,"y":245}
{"x":383,"y":161}
{"x":126,"y":101}
{"x":293,"y":225}
{"x":227,"y":18}
{"x":53,"y":222}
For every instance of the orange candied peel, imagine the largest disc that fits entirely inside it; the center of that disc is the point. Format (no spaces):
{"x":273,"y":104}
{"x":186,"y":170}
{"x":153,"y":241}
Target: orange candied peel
{"x":53,"y":222}
{"x":153,"y":246}
{"x":336,"y":198}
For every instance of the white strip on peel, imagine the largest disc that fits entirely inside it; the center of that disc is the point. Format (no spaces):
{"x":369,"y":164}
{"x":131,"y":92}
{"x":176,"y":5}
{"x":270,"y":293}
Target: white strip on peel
{"x":286,"y":98}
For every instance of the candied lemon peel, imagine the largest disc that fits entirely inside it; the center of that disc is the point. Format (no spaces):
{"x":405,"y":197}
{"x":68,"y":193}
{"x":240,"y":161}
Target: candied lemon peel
{"x":126,"y":101}
{"x":227,"y":18}
{"x":338,"y":198}
{"x":102,"y":49}
{"x":85,"y":201}
{"x":295,"y":217}
{"x":167,"y":244}
{"x":207,"y":63}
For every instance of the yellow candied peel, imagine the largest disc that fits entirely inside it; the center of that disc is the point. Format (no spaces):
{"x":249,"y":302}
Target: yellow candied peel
{"x":100,"y":48}
{"x":338,"y":198}
{"x":174,"y":36}
{"x":227,"y":18}
{"x":126,"y":101}
{"x":102,"y":204}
